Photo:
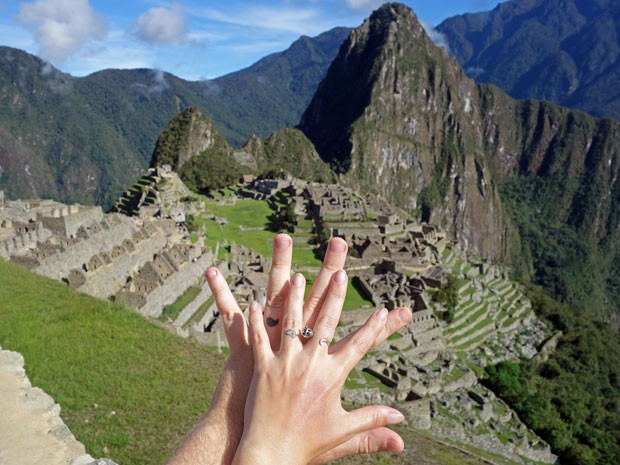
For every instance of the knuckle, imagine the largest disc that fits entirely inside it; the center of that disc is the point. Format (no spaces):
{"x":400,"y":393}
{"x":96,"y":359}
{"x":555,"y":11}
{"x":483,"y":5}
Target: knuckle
{"x":365,"y":445}
{"x":361,"y":346}
{"x":313,"y":303}
{"x":274,"y":301}
{"x":328,"y":321}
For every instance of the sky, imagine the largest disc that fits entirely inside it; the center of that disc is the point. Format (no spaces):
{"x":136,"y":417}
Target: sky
{"x":192,"y":39}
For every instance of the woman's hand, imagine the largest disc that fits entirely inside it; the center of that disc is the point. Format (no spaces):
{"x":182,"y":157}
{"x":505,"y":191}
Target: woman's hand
{"x":215,"y":439}
{"x":293,"y":412}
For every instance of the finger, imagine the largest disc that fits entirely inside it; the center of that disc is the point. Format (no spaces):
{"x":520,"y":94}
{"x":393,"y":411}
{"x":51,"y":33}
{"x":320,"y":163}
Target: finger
{"x":335,"y":258}
{"x":232,"y":316}
{"x":361,"y":341}
{"x":258,"y":335}
{"x":327,"y":320}
{"x":368,"y":418}
{"x":368,"y":442}
{"x":293,"y":312}
{"x":396,"y":320}
{"x":277,"y":286}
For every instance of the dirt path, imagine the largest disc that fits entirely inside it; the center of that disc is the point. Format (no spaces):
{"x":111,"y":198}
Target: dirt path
{"x":31,"y":430}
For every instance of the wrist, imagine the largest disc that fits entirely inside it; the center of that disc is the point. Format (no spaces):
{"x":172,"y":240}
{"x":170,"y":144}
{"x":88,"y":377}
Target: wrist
{"x":263,"y":451}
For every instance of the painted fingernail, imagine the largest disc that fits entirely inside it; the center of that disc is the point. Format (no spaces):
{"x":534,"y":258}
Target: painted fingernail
{"x":341,"y":277}
{"x":298,"y":280}
{"x":395,"y":418}
{"x":282,"y":241}
{"x":211,"y":273}
{"x":382,"y":314}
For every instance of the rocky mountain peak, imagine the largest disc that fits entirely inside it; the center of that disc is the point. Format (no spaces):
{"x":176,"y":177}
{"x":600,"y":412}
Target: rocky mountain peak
{"x":188,"y":134}
{"x":392,"y":114}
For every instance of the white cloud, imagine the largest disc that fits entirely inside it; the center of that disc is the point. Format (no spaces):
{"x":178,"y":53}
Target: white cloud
{"x":293,"y":20}
{"x":61,"y":27}
{"x":161,"y":25}
{"x":437,"y":37}
{"x":365,"y":5}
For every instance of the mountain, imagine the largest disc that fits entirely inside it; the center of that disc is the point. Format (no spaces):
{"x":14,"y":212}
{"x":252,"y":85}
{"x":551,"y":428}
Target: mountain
{"x":192,"y":146}
{"x":526,"y":182}
{"x":565,"y":51}
{"x":272,"y":93}
{"x":86,"y":139}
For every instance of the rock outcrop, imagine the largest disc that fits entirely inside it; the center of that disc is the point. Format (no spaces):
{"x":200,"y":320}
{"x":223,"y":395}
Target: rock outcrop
{"x":399,"y":117}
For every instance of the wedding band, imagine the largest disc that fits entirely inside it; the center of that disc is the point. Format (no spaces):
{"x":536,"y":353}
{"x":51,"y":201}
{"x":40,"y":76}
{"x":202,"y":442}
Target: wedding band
{"x":323,"y":342}
{"x":307,"y":332}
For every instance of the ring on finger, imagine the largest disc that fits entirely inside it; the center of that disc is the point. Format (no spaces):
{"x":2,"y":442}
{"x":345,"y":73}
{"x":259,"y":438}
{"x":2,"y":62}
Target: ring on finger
{"x":323,"y":341}
{"x":307,"y":333}
{"x":290,"y":333}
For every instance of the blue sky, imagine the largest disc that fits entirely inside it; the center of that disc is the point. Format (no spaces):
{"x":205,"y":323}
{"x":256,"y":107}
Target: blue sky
{"x":192,"y":39}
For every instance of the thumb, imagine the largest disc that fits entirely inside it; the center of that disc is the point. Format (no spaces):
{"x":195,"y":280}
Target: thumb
{"x":368,"y":442}
{"x":367,"y":418}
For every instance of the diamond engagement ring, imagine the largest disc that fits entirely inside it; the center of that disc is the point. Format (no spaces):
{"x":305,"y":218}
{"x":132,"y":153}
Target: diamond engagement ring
{"x":307,"y":332}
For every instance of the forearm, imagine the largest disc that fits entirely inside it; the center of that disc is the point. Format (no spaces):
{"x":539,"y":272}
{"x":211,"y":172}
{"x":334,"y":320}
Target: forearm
{"x":216,"y":437}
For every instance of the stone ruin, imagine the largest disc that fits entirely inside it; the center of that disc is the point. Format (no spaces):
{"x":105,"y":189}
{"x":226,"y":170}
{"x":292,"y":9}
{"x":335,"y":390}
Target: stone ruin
{"x":140,"y":262}
{"x":147,"y":263}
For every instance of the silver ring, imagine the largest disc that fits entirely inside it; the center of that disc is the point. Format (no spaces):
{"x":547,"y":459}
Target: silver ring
{"x":290,"y":333}
{"x":307,"y":332}
{"x":323,"y":341}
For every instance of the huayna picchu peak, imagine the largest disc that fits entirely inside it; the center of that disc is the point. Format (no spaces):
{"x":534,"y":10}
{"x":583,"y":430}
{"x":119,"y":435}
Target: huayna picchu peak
{"x":399,"y":117}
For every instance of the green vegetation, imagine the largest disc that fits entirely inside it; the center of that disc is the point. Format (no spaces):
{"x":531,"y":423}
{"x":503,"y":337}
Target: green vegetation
{"x":553,"y":253}
{"x":572,"y":400}
{"x":173,"y":310}
{"x":213,"y":169}
{"x":247,"y":224}
{"x":124,"y":384}
{"x":448,"y":295}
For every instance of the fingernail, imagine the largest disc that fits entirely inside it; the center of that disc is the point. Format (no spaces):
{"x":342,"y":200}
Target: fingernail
{"x":404,"y":314}
{"x":341,"y":277}
{"x":395,"y":445}
{"x":382,"y":314}
{"x":337,"y":245}
{"x":395,"y":418}
{"x":211,"y":273}
{"x":253,"y":306}
{"x":282,"y":241}
{"x":298,"y":280}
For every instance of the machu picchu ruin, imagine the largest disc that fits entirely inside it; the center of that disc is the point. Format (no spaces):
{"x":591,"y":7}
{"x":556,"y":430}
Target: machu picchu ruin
{"x":150,"y":252}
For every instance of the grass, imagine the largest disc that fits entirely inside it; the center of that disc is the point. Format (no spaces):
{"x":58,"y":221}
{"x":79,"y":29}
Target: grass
{"x":94,"y":358}
{"x":353,"y":300}
{"x":249,"y":213}
{"x":173,"y":310}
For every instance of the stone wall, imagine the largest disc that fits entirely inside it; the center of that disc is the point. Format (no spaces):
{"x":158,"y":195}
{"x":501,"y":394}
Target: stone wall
{"x":71,"y":219}
{"x":20,"y":244}
{"x":31,"y":429}
{"x":81,"y":252}
{"x":110,"y":279}
{"x":176,"y":285}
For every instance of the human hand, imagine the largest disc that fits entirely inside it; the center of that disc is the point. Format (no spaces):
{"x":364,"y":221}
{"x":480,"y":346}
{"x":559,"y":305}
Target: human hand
{"x":215,"y":439}
{"x":293,"y":411}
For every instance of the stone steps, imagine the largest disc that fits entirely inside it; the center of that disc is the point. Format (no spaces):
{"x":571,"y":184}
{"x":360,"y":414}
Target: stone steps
{"x":193,"y":306}
{"x":475,"y":339}
{"x":463,"y":316}
{"x":478,"y":317}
